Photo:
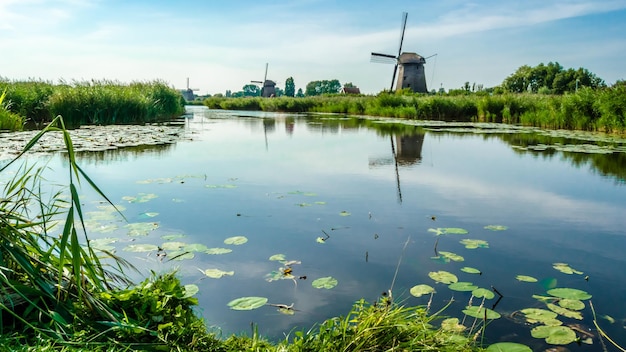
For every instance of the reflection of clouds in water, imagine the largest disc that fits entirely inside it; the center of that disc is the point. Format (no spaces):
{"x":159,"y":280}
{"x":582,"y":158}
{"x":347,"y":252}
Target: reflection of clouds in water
{"x":517,"y":201}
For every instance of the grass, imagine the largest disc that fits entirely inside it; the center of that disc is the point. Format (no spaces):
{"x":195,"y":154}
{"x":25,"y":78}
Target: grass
{"x":588,"y":109}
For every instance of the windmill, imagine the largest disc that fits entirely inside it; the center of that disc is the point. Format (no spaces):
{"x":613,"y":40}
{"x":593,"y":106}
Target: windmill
{"x":411,"y":66}
{"x":189,"y":94}
{"x":269,"y":86}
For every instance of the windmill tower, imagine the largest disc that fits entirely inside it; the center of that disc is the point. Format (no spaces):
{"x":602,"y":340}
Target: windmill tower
{"x":188,"y":93}
{"x":411,"y":74}
{"x":268,"y":86}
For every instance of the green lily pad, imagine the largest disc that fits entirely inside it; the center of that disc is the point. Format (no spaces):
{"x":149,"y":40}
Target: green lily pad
{"x":508,"y":347}
{"x":449,"y":231}
{"x":217,"y":273}
{"x":190,"y":290}
{"x":483,"y":292}
{"x":566,"y":269}
{"x":278,"y":257}
{"x":443,"y":277}
{"x":172,"y":236}
{"x":236,"y":240}
{"x":451,"y":256}
{"x":555,"y":335}
{"x":325,"y":282}
{"x":321,"y":240}
{"x":320,"y":203}
{"x":173,"y":246}
{"x":565,"y":312}
{"x":218,"y":251}
{"x":141,"y":248}
{"x":181,"y":255}
{"x":572,"y":304}
{"x":452,"y":325}
{"x":462,"y":286}
{"x":148,"y":215}
{"x":140,"y":198}
{"x":420,"y":290}
{"x":344,"y":213}
{"x":141,"y":228}
{"x":570,"y":293}
{"x":196,"y":247}
{"x":105,"y":228}
{"x":473,"y":244}
{"x":479,"y":313}
{"x":111,"y":208}
{"x":470,"y":270}
{"x":95,"y":243}
{"x":525,"y":278}
{"x":247,"y":303}
{"x":278,"y":275}
{"x":496,"y":227}
{"x":304,"y":205}
{"x":537,"y":315}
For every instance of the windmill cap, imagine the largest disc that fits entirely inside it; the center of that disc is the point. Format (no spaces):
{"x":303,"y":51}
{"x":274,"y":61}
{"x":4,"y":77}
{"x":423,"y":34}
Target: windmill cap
{"x":411,"y":58}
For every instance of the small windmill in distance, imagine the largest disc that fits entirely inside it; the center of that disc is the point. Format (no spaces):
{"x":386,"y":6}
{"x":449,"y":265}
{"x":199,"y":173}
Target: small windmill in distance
{"x":188,"y":93}
{"x":411,"y":65}
{"x":269,"y":86}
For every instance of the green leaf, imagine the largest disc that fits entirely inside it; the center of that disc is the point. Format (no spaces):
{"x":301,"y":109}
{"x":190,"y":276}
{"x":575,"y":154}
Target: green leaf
{"x":565,"y":312}
{"x":483,"y":292}
{"x":508,"y":347}
{"x":479,"y":313}
{"x":462,"y":286}
{"x":218,"y":251}
{"x":525,"y":278}
{"x":537,"y":315}
{"x":141,"y":228}
{"x":247,"y":303}
{"x":572,"y":304}
{"x":217,"y":273}
{"x":449,"y":231}
{"x":443,"y":277}
{"x":278,"y":257}
{"x":172,"y":236}
{"x":196,"y":247}
{"x":496,"y":227}
{"x":236,"y":240}
{"x":570,"y":293}
{"x":344,"y":213}
{"x":141,"y":248}
{"x":473,"y":244}
{"x":420,"y":290}
{"x":181,"y":255}
{"x":451,"y":256}
{"x":452,"y":325}
{"x":555,"y":335}
{"x":173,"y":246}
{"x":566,"y":269}
{"x":190,"y":290}
{"x":325,"y":282}
{"x":470,"y":270}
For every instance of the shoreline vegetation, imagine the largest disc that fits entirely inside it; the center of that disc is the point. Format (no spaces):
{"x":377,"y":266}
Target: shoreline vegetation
{"x":602,"y":109}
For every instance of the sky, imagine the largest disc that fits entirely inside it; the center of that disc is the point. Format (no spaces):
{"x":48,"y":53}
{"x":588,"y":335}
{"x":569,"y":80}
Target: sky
{"x":223,"y":45}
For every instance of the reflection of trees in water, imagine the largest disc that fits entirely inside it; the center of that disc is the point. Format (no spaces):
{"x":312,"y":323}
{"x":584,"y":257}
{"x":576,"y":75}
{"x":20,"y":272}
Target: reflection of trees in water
{"x":122,"y":154}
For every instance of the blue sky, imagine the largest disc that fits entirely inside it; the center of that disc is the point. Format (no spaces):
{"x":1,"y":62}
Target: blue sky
{"x":223,"y":45}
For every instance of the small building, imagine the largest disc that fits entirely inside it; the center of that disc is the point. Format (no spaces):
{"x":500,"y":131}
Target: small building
{"x":411,"y":74}
{"x":269,"y":89}
{"x":350,"y":90}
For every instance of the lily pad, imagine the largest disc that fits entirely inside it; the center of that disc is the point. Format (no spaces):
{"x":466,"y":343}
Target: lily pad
{"x":278,"y":257}
{"x":481,"y":312}
{"x":217,"y":273}
{"x":496,"y":227}
{"x":141,"y":228}
{"x":172,"y":236}
{"x":565,"y":312}
{"x":525,"y":278}
{"x":451,"y":256}
{"x":420,"y":290}
{"x":483,"y":292}
{"x":473,"y":244}
{"x":141,"y":248}
{"x":462,"y":286}
{"x":443,"y":277}
{"x":148,"y":215}
{"x":508,"y":347}
{"x":196,"y":247}
{"x":218,"y":251}
{"x":572,"y":304}
{"x":181,"y":255}
{"x":570,"y":293}
{"x":555,"y":335}
{"x":247,"y":303}
{"x":566,"y":269}
{"x":537,"y":315}
{"x":470,"y":270}
{"x":190,"y":290}
{"x":236,"y":240}
{"x":95,"y":243}
{"x":344,"y":213}
{"x":452,"y":325}
{"x":449,"y":231}
{"x":325,"y":282}
{"x":173,"y":246}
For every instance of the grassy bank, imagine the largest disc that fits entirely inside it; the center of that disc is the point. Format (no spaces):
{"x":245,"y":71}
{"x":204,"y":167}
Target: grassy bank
{"x":588,"y":109}
{"x":91,"y":102}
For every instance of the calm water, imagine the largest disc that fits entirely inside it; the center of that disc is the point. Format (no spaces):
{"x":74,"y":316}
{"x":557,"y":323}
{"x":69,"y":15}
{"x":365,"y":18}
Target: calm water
{"x":282,"y":181}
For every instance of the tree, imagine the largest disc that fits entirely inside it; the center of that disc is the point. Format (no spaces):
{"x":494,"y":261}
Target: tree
{"x":228,"y":93}
{"x":290,"y":87}
{"x":300,"y":94}
{"x":323,"y":87}
{"x":251,"y":90}
{"x":550,"y":78}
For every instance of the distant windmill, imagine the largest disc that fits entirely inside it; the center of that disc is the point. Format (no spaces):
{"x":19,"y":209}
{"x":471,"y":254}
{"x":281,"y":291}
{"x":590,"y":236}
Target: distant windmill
{"x":188,"y":94}
{"x":269,"y":86}
{"x":411,"y":65}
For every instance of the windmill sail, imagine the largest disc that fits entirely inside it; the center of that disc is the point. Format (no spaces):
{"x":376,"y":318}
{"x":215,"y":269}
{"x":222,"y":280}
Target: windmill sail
{"x":387,"y":58}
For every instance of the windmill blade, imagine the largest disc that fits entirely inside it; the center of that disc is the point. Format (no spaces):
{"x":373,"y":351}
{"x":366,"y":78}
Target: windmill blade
{"x":259,"y":82}
{"x":265,"y":78}
{"x":393,"y":78}
{"x":383,"y":58}
{"x":404,"y":17}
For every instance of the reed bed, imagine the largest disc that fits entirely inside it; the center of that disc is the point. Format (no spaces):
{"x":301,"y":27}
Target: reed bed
{"x":92,"y":102}
{"x":588,"y":109}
